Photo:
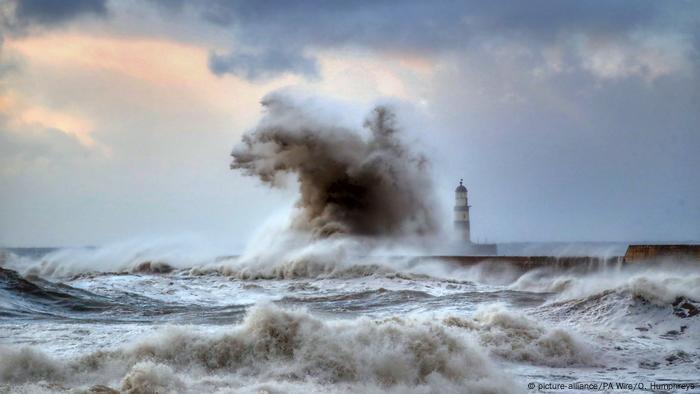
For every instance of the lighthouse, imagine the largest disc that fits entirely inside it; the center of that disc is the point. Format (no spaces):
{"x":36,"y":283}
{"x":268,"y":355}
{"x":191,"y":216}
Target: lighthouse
{"x":462,"y":213}
{"x":463,"y":244}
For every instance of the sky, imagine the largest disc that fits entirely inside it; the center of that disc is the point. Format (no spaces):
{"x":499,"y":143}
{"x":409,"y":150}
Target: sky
{"x":569,"y":121}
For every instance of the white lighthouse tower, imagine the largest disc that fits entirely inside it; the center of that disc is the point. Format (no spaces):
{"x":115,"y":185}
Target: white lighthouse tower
{"x":462,"y":213}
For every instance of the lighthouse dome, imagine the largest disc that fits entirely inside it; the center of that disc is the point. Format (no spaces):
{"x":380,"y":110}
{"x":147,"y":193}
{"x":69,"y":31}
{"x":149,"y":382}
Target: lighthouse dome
{"x":461,"y":187}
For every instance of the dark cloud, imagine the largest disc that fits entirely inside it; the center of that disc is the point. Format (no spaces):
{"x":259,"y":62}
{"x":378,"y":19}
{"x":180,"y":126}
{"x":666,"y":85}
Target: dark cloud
{"x":425,"y":25}
{"x":20,"y":17}
{"x":276,"y":29}
{"x":263,"y":65}
{"x":53,"y":12}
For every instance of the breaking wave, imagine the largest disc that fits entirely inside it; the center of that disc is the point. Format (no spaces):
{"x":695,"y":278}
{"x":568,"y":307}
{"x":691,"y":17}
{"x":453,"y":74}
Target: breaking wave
{"x":277,"y":346}
{"x":635,"y":299}
{"x":290,"y":255}
{"x":25,"y":298}
{"x":658,"y":285}
{"x":350,"y":182}
{"x":515,"y":337}
{"x":36,"y":298}
{"x":134,"y":256}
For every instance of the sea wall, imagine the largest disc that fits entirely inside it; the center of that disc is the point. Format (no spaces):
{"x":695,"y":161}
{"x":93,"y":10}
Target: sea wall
{"x":634,"y":253}
{"x":528,"y":262}
{"x":654,"y":252}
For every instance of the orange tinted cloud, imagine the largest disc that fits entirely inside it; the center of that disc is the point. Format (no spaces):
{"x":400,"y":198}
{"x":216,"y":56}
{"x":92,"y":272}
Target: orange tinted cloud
{"x":173,"y":79}
{"x":177,"y":72}
{"x":21,"y":115}
{"x":74,"y":125}
{"x":154,"y":61}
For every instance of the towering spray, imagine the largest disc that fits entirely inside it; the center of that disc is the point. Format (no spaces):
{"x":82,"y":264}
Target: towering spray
{"x":462,"y":213}
{"x":351,"y":181}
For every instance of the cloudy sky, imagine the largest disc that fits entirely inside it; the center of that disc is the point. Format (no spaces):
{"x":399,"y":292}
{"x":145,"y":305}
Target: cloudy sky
{"x":569,"y":121}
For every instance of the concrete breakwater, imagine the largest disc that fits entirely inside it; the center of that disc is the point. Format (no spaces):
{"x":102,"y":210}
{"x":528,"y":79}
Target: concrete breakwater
{"x":528,"y":262}
{"x":633,"y":254}
{"x":684,"y":252}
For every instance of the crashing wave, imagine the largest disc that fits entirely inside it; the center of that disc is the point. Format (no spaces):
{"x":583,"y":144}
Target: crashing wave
{"x":280,"y":346}
{"x":515,"y":337}
{"x":660,"y":285}
{"x":135,"y":256}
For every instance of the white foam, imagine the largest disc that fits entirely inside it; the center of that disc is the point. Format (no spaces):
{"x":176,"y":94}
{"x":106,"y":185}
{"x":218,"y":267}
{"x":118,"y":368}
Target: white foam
{"x":516,"y":337}
{"x":660,"y":284}
{"x":283,"y":346}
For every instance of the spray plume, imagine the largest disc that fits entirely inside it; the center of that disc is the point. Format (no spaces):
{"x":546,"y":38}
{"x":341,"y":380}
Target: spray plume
{"x":350,"y":183}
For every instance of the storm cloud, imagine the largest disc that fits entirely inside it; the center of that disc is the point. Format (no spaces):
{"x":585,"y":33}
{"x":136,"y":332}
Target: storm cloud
{"x":289,"y":33}
{"x":256,"y":66}
{"x":50,"y":12}
{"x":16,"y":16}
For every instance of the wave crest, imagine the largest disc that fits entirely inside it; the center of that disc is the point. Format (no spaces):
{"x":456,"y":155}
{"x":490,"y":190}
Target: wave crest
{"x":27,"y":365}
{"x":148,"y":377}
{"x":279,"y":345}
{"x":515,"y":337}
{"x":659,"y":285}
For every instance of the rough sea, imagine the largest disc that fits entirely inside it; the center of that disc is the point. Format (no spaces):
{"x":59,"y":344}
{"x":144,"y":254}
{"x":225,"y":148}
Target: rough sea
{"x":136,"y":321}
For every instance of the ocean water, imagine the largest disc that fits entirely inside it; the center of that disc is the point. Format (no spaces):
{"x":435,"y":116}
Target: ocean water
{"x":136,"y":321}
